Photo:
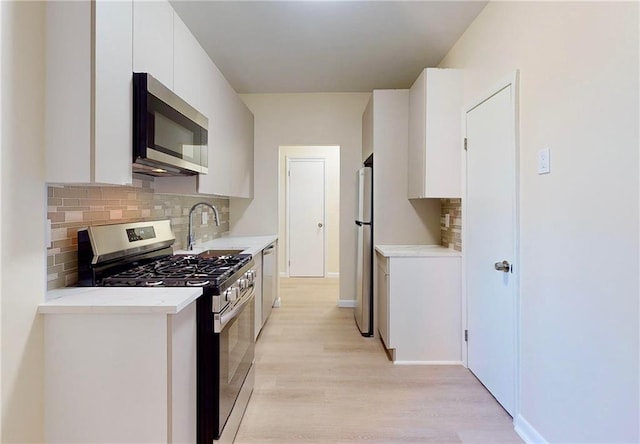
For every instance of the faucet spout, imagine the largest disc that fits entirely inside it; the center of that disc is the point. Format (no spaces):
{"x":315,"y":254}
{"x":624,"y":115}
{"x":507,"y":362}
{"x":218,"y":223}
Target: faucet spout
{"x":191,"y":240}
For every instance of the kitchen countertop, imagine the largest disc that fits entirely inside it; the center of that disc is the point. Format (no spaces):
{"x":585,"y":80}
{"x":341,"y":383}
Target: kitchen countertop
{"x":112,"y":300}
{"x":249,"y":244}
{"x":415,"y":251}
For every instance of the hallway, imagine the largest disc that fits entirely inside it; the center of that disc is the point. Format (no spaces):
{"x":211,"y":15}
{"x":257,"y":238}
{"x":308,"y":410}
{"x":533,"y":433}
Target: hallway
{"x":318,"y":380}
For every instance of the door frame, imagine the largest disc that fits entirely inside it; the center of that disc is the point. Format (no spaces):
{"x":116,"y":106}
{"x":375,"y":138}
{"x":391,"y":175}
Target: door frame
{"x":290,"y":159}
{"x":512,"y":79}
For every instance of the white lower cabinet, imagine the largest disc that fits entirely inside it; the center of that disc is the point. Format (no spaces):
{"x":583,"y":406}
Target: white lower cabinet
{"x":382,"y":285}
{"x":120,"y":377}
{"x":419,"y":314}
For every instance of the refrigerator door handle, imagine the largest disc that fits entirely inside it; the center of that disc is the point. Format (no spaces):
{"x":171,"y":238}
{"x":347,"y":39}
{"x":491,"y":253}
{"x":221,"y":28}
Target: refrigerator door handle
{"x":360,"y":223}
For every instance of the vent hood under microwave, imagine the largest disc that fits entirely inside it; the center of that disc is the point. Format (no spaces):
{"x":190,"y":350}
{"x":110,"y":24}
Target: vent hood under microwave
{"x":169,"y":135}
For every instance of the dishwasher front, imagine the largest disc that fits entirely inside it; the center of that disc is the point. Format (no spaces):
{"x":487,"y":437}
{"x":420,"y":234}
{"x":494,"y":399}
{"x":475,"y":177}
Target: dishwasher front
{"x":269,"y":280}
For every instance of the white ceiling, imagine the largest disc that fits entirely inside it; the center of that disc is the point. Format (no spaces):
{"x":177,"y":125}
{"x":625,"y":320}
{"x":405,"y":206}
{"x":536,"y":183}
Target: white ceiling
{"x":325,"y":46}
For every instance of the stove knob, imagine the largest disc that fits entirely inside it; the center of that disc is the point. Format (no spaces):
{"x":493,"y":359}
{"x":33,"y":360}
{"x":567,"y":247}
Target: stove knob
{"x":244,"y":283}
{"x":231,"y":294}
{"x":250,"y":275}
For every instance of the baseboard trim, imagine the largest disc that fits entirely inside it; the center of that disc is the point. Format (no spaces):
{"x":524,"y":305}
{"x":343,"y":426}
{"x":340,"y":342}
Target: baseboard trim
{"x":527,"y":432}
{"x":346,"y":304}
{"x":427,"y":362}
{"x":333,"y":275}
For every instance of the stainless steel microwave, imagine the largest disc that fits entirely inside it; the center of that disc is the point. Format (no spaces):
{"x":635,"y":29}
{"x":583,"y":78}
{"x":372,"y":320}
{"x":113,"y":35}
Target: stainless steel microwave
{"x":169,"y":135}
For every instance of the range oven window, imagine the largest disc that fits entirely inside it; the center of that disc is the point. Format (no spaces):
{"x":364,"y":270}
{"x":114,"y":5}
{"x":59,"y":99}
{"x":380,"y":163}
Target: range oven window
{"x":236,"y":355}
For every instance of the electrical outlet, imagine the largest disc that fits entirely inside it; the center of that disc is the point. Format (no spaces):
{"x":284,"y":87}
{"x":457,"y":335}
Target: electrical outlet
{"x":544,"y":161}
{"x":447,"y":220}
{"x":205,"y":218}
{"x":47,"y":234}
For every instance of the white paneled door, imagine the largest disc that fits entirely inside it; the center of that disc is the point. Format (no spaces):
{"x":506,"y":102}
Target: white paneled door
{"x":306,"y":222}
{"x":490,"y":244}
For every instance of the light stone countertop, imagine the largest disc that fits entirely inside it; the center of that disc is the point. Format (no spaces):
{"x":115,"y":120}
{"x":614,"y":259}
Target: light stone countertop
{"x":118,"y":300}
{"x":248,"y":244}
{"x":415,"y":251}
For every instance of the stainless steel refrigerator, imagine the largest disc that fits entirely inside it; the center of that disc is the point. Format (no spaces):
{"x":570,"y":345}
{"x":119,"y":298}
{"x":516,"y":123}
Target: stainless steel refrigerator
{"x":364,"y":266}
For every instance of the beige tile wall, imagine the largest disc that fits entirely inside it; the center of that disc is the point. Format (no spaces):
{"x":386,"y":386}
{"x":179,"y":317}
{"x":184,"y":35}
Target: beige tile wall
{"x":71,"y":208}
{"x":451,"y":235}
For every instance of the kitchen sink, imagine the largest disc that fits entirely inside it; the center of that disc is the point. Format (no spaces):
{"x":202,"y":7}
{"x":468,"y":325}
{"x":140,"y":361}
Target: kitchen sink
{"x":215,"y":253}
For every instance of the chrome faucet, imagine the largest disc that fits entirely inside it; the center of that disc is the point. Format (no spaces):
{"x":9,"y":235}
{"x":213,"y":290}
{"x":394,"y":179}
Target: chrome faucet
{"x":191,"y":239}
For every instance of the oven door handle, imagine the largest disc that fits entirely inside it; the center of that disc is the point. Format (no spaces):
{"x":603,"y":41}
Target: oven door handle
{"x":220,"y":321}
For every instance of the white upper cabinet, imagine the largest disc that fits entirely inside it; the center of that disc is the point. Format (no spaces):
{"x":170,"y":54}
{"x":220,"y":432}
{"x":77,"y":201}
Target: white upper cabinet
{"x":242,"y":158}
{"x":230,"y":140}
{"x":153,"y":40}
{"x":92,"y":50}
{"x":88,"y":100}
{"x":198,"y":81}
{"x":435,"y":137}
{"x":189,"y":66}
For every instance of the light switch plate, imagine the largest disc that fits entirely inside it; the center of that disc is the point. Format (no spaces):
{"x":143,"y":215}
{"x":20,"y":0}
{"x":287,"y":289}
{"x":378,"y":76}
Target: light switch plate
{"x":544,"y":161}
{"x":447,"y":220}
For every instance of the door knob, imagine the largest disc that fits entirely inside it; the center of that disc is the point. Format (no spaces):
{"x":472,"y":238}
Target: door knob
{"x":319,"y":224}
{"x":503,"y":266}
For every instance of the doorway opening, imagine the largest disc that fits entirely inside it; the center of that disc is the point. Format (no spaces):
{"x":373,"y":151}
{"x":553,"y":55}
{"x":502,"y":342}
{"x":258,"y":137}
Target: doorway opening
{"x":309,"y":211}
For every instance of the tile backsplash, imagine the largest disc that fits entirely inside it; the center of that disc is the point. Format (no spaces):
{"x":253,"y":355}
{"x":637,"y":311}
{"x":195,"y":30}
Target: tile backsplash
{"x":452,"y":235}
{"x":71,"y":208}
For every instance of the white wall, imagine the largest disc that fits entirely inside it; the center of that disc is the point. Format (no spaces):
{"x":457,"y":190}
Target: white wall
{"x":367,"y":130}
{"x":1,"y":125}
{"x":331,"y":156}
{"x":303,"y":119}
{"x":22,"y":210}
{"x":579,"y":313}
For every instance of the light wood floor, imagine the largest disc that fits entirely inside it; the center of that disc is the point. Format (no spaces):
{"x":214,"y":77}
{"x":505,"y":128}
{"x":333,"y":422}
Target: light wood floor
{"x":318,"y":380}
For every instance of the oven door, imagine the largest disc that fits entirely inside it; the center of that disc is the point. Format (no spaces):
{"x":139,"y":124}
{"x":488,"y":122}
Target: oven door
{"x":236,"y":345}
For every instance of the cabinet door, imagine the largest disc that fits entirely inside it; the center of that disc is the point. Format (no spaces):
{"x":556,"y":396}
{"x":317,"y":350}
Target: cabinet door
{"x":88,"y":131}
{"x":242,"y":154}
{"x":183,"y":374}
{"x":218,"y":95}
{"x":443,"y":133}
{"x":435,"y":148}
{"x":153,"y":40}
{"x":113,"y":91}
{"x":189,"y":64}
{"x":68,"y":92}
{"x":382,"y":283}
{"x":417,"y":126}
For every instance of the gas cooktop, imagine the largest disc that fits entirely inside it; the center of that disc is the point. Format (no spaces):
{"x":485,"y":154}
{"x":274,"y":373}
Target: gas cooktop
{"x":180,"y":271}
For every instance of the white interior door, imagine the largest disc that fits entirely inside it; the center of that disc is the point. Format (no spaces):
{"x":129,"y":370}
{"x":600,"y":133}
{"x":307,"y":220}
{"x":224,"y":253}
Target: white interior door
{"x":491,"y":234}
{"x":306,"y":191}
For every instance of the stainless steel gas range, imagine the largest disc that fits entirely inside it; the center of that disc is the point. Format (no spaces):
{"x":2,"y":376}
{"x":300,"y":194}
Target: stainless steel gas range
{"x":140,"y":254}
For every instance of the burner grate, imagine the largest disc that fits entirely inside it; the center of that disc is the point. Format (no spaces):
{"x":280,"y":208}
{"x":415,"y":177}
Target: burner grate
{"x":180,"y":270}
